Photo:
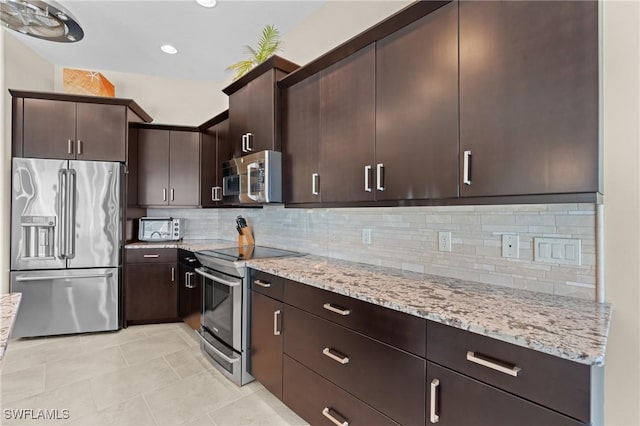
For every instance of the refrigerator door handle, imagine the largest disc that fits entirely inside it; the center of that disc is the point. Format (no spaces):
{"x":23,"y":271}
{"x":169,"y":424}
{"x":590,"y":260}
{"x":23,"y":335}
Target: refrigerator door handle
{"x":63,"y":277}
{"x":61,"y":211}
{"x":71,"y":214}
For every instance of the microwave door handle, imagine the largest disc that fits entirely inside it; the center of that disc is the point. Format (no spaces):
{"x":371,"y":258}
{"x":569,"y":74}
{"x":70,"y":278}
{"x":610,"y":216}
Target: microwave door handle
{"x":250,"y":167}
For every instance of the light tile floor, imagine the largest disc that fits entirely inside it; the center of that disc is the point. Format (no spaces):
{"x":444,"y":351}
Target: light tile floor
{"x":143,"y":375}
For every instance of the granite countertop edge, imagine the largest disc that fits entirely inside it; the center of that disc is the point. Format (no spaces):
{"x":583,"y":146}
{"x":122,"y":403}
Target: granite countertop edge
{"x":569,"y":328}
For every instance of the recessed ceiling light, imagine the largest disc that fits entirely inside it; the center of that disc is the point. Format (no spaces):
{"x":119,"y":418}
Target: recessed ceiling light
{"x":167,"y":48}
{"x":207,"y":3}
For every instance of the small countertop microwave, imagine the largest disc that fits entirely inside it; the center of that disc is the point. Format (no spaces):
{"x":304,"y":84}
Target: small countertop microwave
{"x":160,"y":229}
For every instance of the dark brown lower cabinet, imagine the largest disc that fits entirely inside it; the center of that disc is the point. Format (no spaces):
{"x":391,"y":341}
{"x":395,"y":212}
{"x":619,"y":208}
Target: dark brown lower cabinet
{"x":190,"y":291}
{"x":387,"y":378}
{"x":151,"y":293}
{"x":320,"y":402}
{"x":457,"y":400}
{"x":266,"y":342}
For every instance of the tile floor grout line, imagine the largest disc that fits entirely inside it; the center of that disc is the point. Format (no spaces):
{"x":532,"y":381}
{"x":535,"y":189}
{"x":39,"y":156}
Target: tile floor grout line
{"x":164,"y":358}
{"x":123,"y":356}
{"x":150,"y":410}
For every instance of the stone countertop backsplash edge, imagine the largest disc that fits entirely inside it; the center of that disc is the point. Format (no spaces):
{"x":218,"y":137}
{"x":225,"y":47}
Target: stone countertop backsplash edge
{"x":191,"y":245}
{"x":566,"y":327}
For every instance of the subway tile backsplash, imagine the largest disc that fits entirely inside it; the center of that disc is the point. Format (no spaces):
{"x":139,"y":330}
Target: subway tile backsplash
{"x":407,"y":238}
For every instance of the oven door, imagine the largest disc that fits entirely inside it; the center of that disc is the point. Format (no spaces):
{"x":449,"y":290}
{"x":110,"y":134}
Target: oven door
{"x":222,"y":307}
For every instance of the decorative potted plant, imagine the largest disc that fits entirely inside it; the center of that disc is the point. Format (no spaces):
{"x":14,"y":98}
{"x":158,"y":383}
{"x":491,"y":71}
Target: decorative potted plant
{"x":268,"y":45}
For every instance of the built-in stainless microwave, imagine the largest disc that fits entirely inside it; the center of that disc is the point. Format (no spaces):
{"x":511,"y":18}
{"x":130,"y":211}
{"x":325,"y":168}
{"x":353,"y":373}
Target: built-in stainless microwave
{"x":253,"y":179}
{"x":160,"y":229}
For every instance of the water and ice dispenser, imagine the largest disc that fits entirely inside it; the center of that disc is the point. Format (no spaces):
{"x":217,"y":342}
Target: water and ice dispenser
{"x":38,"y":236}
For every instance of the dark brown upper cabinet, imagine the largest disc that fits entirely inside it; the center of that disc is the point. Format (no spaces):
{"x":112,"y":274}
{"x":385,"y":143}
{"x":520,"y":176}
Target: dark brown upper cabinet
{"x":347,"y":128}
{"x":53,"y":125}
{"x":216,"y":148}
{"x":300,"y":141}
{"x":254,"y":110}
{"x":169,"y":166}
{"x":416,"y":119}
{"x":529,"y":98}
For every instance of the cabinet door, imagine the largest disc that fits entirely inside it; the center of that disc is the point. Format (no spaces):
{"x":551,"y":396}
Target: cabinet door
{"x":301,"y":134}
{"x":101,"y":132}
{"x":184,"y":168}
{"x":153,"y":167}
{"x":184,"y":292}
{"x":151,"y":292}
{"x":529,"y":97}
{"x":266,"y":342}
{"x":261,"y":119}
{"x":224,"y":152}
{"x":238,"y":117}
{"x":49,"y":129}
{"x":460,"y":400}
{"x":347,"y":127}
{"x":417,"y":109}
{"x":209,"y":167}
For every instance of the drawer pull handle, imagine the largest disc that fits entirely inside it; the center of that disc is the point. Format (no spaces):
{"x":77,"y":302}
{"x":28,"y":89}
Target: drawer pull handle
{"x":327,"y":414}
{"x":151,"y":256}
{"x":341,"y":359}
{"x":262,"y":283}
{"x":276,"y":328}
{"x":433,"y":417}
{"x":511,"y":370}
{"x":337,"y":310}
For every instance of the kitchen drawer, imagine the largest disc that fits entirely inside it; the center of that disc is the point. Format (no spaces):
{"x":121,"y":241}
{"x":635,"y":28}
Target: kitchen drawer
{"x":309,"y":395}
{"x":395,"y":328}
{"x":267,"y":284}
{"x":384,"y":377}
{"x":460,"y":400}
{"x":151,"y":255}
{"x":548,"y":380}
{"x":187,"y":257}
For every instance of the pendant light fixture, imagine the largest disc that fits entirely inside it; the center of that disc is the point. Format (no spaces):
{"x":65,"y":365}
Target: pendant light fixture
{"x":44,"y":20}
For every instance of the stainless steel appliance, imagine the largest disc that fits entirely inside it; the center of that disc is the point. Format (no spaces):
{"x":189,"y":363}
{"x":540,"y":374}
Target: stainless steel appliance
{"x":66,"y":239}
{"x":253,"y":179}
{"x":225,"y":321}
{"x":160,"y":229}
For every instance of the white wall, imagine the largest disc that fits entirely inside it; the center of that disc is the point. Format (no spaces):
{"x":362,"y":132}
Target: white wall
{"x":621,"y":94}
{"x":22,"y":69}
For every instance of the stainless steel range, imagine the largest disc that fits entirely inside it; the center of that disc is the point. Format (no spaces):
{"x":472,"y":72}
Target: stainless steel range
{"x":225,"y":320}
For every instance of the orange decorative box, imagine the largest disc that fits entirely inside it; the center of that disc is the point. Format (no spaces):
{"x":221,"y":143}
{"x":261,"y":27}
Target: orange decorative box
{"x":84,"y":82}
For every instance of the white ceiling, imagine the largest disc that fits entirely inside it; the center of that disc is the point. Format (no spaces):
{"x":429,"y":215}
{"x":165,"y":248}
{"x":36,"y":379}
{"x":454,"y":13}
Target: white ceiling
{"x":126,"y":36}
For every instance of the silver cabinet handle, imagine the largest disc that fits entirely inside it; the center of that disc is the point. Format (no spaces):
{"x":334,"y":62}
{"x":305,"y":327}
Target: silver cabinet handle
{"x":325,"y":412}
{"x":380,"y":177}
{"x":314,"y":184}
{"x":337,"y":310}
{"x":186,"y":280}
{"x":216,"y":350}
{"x":188,"y":277}
{"x":150,"y":256}
{"x":341,"y":359}
{"x":164,"y":194}
{"x":494,"y":365}
{"x":244,"y":143}
{"x":79,"y":150}
{"x":276,"y":328}
{"x":69,"y":146}
{"x":249,"y":140}
{"x":191,"y":259}
{"x":433,"y":417}
{"x":219,"y":197}
{"x":466,"y":178}
{"x":262,"y":283}
{"x":173,"y":193}
{"x":367,"y":173}
{"x":173,"y":274}
{"x":215,"y":193}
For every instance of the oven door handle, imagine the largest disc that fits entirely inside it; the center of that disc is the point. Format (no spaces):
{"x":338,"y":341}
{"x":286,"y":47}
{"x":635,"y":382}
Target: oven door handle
{"x":201,"y":271}
{"x":216,"y":350}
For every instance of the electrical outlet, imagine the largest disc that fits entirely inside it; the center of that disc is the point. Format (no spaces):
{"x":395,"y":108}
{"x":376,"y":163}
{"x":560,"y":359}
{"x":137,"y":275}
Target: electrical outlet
{"x":366,"y":236}
{"x":510,"y":246}
{"x":444,"y":241}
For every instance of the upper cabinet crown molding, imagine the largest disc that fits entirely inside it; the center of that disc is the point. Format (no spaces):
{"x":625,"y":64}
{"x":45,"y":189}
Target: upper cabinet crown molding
{"x":274,"y":62}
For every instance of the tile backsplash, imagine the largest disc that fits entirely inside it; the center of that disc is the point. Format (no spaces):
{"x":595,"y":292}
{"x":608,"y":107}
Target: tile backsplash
{"x":407,"y":238}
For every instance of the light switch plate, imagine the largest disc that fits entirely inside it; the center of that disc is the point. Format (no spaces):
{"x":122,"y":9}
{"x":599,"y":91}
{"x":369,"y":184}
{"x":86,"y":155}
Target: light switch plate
{"x":510,"y":246}
{"x":564,"y":251}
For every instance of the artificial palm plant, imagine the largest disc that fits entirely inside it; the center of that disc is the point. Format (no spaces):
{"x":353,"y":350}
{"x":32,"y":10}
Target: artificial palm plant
{"x":268,"y":45}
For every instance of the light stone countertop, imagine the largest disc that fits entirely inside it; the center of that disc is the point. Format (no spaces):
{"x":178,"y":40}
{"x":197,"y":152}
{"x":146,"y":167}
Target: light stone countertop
{"x":191,"y":245}
{"x":9,"y":304}
{"x":566,"y":327}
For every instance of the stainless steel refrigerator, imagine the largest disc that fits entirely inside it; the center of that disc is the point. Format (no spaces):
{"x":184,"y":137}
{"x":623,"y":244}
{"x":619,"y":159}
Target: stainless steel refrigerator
{"x":66,"y":238}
